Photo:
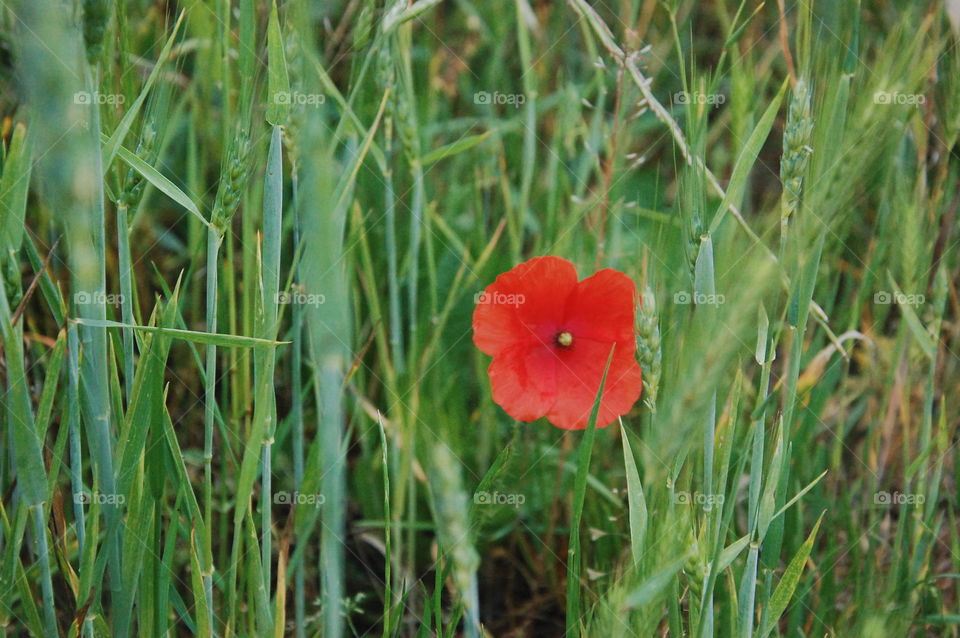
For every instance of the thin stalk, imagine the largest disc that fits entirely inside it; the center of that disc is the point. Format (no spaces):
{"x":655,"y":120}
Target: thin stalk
{"x":387,"y":524}
{"x":272,"y":237}
{"x":529,"y":127}
{"x":416,"y":230}
{"x":76,"y":452}
{"x":748,"y":584}
{"x":214,"y":239}
{"x":46,"y":580}
{"x":388,"y":78}
{"x":393,"y":280}
{"x":574,"y":559}
{"x":705,"y":315}
{"x":296,"y":408}
{"x":26,"y":447}
{"x":126,"y":295}
{"x":410,"y":133}
{"x":266,"y":518}
{"x":94,"y":363}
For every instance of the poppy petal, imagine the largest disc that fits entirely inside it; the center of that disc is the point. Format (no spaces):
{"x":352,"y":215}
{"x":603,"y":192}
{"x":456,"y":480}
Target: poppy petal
{"x":604,"y":308}
{"x":524,"y":305}
{"x":578,"y":376}
{"x":524,"y":381}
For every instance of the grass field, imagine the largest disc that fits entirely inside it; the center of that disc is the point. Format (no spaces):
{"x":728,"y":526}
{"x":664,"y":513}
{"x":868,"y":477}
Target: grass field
{"x":242,"y":243}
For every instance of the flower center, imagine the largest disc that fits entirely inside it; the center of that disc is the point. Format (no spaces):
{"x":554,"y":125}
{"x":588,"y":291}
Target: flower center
{"x":564,"y":339}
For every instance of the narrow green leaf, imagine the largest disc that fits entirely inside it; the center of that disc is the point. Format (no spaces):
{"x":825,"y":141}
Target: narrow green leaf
{"x":196,"y":587}
{"x":788,"y":583}
{"x":799,"y":495}
{"x":916,"y":326}
{"x":731,"y":552}
{"x":345,"y":185}
{"x":635,"y":499}
{"x":574,"y":559}
{"x":14,"y":186}
{"x":763,"y":326}
{"x":654,"y":585}
{"x":401,"y":12}
{"x":217,"y":339}
{"x":748,"y":158}
{"x":27,"y":447}
{"x":454,"y":148}
{"x":768,"y":500}
{"x":162,"y":184}
{"x":112,"y":145}
{"x":278,"y":82}
{"x":704,"y":279}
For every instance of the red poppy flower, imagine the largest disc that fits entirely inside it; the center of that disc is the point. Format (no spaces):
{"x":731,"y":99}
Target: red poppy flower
{"x":550,"y":337}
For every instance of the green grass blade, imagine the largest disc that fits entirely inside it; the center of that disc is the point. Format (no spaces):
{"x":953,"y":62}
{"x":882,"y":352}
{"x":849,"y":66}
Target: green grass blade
{"x":206,"y":338}
{"x":574,"y":559}
{"x":788,"y":582}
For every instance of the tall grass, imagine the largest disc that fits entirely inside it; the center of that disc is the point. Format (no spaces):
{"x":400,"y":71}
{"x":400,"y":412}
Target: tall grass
{"x":240,"y":246}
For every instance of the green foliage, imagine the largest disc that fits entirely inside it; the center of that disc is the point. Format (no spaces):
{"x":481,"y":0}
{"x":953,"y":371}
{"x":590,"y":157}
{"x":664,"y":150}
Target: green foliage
{"x":240,"y":243}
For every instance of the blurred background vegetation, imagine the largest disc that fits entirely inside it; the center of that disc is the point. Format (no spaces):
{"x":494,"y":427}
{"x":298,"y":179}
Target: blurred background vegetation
{"x":240,"y":246}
